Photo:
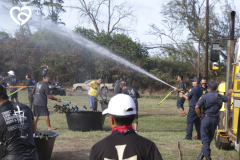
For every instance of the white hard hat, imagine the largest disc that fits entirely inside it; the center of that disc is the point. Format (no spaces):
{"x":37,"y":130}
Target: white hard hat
{"x":119,"y":105}
{"x":11,"y":72}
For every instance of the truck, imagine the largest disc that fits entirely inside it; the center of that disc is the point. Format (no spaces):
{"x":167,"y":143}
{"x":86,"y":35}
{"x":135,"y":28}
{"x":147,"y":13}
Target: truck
{"x":84,"y":86}
{"x":228,"y":129}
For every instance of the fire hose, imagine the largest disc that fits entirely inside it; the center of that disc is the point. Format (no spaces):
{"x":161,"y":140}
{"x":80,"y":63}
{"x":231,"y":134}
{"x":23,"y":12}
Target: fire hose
{"x":20,"y":88}
{"x":179,"y":153}
{"x":166,"y":97}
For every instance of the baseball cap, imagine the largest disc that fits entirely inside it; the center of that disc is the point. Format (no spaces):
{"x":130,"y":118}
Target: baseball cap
{"x":11,"y":72}
{"x":213,"y":85}
{"x":195,"y":79}
{"x":121,"y":105}
{"x":123,"y":84}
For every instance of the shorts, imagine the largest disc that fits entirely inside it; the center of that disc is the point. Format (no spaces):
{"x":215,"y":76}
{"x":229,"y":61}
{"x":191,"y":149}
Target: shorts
{"x":40,"y":111}
{"x":15,"y":95}
{"x":180,"y":103}
{"x":136,"y":118}
{"x":92,"y":102}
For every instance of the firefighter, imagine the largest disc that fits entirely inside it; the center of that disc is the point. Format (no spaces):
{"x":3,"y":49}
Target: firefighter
{"x":193,"y":95}
{"x":211,"y":104}
{"x":203,"y":85}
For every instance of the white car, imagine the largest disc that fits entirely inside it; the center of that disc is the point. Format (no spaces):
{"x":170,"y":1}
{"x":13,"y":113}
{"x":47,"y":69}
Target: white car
{"x":84,"y":86}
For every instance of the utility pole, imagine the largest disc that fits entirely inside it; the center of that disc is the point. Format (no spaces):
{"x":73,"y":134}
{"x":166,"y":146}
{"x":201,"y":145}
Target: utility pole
{"x":230,"y":60}
{"x":207,"y":30}
{"x":198,"y":67}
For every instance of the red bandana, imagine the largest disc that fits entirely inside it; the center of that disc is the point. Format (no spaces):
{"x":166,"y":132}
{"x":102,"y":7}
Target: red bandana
{"x":121,"y":129}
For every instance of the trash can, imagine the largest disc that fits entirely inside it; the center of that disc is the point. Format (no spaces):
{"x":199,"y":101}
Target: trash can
{"x":85,"y":120}
{"x":104,"y":106}
{"x":45,"y":147}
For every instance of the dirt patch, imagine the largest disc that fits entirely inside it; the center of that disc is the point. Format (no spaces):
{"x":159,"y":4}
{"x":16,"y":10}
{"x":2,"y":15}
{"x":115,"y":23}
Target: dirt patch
{"x":73,"y":149}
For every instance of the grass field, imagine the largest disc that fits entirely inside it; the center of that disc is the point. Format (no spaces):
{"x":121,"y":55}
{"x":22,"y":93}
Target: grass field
{"x":161,"y":124}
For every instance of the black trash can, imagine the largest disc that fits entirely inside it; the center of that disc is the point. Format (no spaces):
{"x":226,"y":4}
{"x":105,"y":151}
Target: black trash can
{"x":85,"y":120}
{"x":104,"y":106}
{"x":45,"y":147}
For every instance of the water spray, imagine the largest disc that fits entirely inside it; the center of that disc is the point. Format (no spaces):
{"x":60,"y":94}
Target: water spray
{"x":95,"y":47}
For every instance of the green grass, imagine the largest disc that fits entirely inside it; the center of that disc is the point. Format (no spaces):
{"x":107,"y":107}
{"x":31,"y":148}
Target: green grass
{"x":161,"y":124}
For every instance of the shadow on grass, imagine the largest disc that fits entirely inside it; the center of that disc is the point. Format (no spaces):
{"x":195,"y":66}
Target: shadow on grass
{"x":70,"y":155}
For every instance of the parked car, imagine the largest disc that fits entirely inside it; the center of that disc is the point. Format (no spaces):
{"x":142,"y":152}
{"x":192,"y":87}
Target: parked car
{"x":84,"y":86}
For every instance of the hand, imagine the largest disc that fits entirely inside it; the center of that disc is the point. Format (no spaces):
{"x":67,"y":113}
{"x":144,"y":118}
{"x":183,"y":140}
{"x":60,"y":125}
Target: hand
{"x":230,"y":91}
{"x":175,"y":89}
{"x":59,"y":100}
{"x":201,"y":116}
{"x":180,"y":94}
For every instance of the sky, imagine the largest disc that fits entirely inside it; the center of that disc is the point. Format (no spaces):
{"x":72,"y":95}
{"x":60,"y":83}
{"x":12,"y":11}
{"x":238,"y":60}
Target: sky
{"x":146,"y":12}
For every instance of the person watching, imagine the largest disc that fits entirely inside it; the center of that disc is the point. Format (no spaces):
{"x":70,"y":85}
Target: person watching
{"x":45,"y":70}
{"x":58,"y":82}
{"x":30,"y":84}
{"x":41,"y":93}
{"x":123,"y":143}
{"x":117,"y":89}
{"x":12,"y":80}
{"x":135,"y":95}
{"x":16,"y":130}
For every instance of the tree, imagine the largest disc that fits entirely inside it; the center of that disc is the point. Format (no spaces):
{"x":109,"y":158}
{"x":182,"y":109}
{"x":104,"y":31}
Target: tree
{"x":183,"y":16}
{"x":54,"y":9}
{"x":115,"y":15}
{"x":4,"y":35}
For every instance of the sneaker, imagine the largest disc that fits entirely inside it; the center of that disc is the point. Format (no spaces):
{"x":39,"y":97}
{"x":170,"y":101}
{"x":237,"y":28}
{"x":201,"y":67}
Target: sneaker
{"x":183,"y":114}
{"x":136,"y":130}
{"x":195,"y":136}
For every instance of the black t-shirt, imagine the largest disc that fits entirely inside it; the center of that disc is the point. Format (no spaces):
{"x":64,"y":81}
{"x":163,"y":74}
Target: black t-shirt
{"x":30,"y":82}
{"x":133,"y":93}
{"x":59,"y":82}
{"x":41,"y":92}
{"x":12,"y":80}
{"x":182,"y":85}
{"x":44,"y":72}
{"x":129,"y":146}
{"x":10,"y":130}
{"x":117,"y":88}
{"x":3,"y":83}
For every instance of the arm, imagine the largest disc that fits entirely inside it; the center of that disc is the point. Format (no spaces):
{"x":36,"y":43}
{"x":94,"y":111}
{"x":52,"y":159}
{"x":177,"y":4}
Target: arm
{"x":33,"y":126}
{"x":198,"y":105}
{"x":33,"y":92}
{"x":197,"y":109}
{"x":90,"y":85}
{"x":229,"y":94}
{"x":53,"y":98}
{"x":185,"y":96}
{"x":47,"y":66}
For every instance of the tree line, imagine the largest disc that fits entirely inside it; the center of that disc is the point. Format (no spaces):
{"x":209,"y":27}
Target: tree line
{"x":25,"y":52}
